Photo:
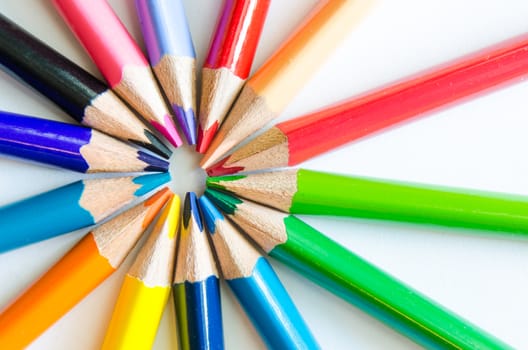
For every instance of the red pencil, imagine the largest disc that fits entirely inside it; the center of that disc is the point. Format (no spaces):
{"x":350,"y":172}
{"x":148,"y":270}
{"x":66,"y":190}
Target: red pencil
{"x":294,"y":141}
{"x":228,"y":62}
{"x":119,"y":59}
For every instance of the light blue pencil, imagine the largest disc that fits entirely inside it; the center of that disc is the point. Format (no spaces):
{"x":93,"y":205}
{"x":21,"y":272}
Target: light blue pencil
{"x":71,"y":207}
{"x":256,"y":286}
{"x":171,"y":52}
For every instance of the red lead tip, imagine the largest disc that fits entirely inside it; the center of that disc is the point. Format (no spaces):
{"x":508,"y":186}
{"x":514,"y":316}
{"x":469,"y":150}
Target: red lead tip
{"x":218,"y":169}
{"x":205,"y":137}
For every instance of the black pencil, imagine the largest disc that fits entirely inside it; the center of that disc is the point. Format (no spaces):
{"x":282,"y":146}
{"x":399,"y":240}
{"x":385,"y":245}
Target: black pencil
{"x":77,"y":92}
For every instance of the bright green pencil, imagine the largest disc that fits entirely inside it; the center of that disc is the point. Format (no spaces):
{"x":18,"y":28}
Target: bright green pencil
{"x":311,"y":192}
{"x":347,"y":275}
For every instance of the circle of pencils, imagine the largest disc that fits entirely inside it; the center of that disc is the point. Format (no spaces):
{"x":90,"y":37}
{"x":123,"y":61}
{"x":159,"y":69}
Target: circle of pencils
{"x":222,"y":235}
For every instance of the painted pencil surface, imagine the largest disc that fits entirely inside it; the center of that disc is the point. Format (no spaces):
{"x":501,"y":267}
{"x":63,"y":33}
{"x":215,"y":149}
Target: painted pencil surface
{"x":256,"y":286}
{"x":294,"y":141}
{"x":228,"y":62}
{"x":77,"y":92}
{"x":347,"y":275}
{"x":274,"y":85}
{"x":146,"y":287}
{"x":71,"y":147}
{"x":79,"y":272}
{"x":311,"y":192}
{"x":195,"y":287}
{"x":71,"y":207}
{"x":171,"y":52}
{"x":119,"y":59}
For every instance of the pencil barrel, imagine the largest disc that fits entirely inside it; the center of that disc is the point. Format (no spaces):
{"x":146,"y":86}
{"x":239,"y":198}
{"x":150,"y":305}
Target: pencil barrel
{"x":329,"y":194}
{"x":350,"y":277}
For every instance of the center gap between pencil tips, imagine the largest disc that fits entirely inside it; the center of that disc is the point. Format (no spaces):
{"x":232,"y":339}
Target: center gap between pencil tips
{"x":187,"y":176}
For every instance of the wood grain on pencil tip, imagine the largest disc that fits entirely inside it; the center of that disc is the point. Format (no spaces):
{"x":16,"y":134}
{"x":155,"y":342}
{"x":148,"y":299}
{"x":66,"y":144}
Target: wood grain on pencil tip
{"x":119,"y":59}
{"x":80,"y":271}
{"x":171,"y":52}
{"x":256,"y":286}
{"x":294,"y":141}
{"x":352,"y":278}
{"x":74,"y":206}
{"x":146,"y":287}
{"x":196,"y":289}
{"x":77,"y":92}
{"x":285,"y":73}
{"x":71,"y":147}
{"x":228,"y":62}
{"x":312,"y":192}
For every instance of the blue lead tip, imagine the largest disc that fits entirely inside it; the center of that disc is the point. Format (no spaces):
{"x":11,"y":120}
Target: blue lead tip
{"x":210,"y":214}
{"x":154,"y":163}
{"x":150,"y":182}
{"x":190,"y":210}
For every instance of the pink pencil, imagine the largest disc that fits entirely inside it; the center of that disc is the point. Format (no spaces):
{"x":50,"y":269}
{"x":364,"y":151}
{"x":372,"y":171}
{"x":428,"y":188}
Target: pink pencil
{"x":119,"y":59}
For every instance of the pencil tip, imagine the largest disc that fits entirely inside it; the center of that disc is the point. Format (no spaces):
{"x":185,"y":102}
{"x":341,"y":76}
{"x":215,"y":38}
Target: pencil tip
{"x":214,"y":181}
{"x":205,"y":137}
{"x":218,"y":169}
{"x":156,"y":145}
{"x":149,"y":182}
{"x":168,"y":129}
{"x":227,"y":203}
{"x":187,"y":121}
{"x":154,"y":163}
{"x":210,"y":214}
{"x":190,"y":210}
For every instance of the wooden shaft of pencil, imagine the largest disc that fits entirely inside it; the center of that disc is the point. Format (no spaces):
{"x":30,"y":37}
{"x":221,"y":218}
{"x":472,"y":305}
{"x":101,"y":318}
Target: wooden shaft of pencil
{"x":196,"y":289}
{"x":119,"y":59}
{"x":283,"y":75}
{"x":77,"y":92}
{"x":350,"y":277}
{"x":80,"y":271}
{"x":71,"y":147}
{"x":256,"y":285}
{"x":294,"y":141}
{"x":228,"y":62}
{"x":77,"y":205}
{"x":171,"y":52}
{"x":146,"y":287}
{"x":311,"y":192}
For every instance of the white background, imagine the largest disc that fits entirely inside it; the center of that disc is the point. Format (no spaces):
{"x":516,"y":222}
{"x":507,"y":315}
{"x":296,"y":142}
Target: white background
{"x":480,"y":144}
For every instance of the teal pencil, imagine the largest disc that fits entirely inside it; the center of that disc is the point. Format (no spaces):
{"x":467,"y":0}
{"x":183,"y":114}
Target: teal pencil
{"x":71,"y":207}
{"x":347,"y":275}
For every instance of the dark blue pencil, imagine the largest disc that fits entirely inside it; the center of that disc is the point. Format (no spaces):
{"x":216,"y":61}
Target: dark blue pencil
{"x":71,"y":146}
{"x":196,"y":289}
{"x":71,"y":207}
{"x":257,"y":287}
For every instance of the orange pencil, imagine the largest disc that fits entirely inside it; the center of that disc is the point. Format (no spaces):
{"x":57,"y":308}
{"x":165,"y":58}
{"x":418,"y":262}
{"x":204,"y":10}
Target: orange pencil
{"x":276,"y":83}
{"x":79,"y":272}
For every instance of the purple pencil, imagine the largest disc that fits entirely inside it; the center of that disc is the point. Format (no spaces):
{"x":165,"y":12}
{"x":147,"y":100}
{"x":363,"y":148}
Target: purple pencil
{"x":70,"y":146}
{"x":171,"y":53}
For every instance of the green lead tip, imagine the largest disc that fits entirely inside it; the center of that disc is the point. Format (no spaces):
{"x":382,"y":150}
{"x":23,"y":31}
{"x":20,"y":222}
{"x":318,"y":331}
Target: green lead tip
{"x":214,"y":181}
{"x":227,"y":203}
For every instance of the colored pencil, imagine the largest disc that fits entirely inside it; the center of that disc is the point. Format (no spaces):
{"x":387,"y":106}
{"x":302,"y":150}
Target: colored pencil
{"x":79,"y":272}
{"x":311,"y":192}
{"x":171,"y":52}
{"x":282,"y":76}
{"x":195,"y":288}
{"x":70,"y":146}
{"x":146,"y":287}
{"x":119,"y":59}
{"x":228,"y":62}
{"x":256,"y":286}
{"x":294,"y":141}
{"x":347,"y":275}
{"x":71,"y":207}
{"x":77,"y":92}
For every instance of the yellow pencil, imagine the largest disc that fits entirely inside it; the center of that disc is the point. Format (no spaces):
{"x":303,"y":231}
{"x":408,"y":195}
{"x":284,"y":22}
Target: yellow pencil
{"x":146,"y":287}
